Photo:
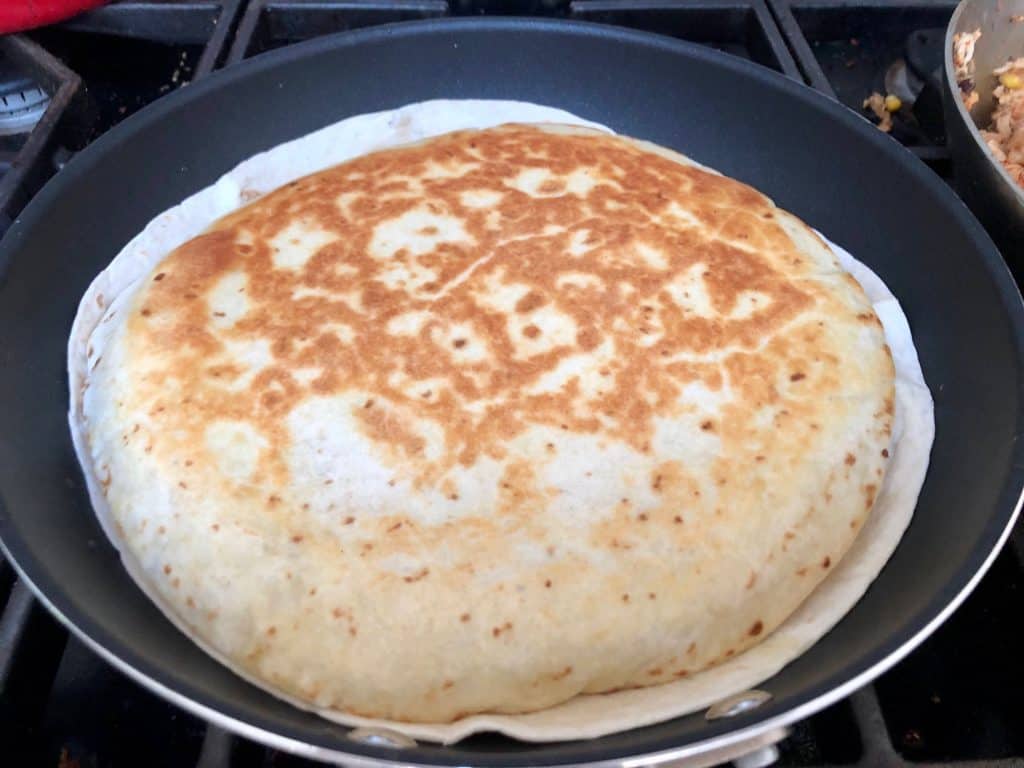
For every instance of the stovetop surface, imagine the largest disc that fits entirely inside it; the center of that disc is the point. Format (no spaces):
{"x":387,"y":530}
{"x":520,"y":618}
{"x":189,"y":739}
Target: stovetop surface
{"x":958,"y":700}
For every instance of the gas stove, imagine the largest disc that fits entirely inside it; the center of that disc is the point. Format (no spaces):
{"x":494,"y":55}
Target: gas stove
{"x":956,"y":701}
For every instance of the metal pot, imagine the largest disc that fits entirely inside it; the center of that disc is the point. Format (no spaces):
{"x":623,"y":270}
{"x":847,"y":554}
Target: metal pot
{"x":981,"y":180}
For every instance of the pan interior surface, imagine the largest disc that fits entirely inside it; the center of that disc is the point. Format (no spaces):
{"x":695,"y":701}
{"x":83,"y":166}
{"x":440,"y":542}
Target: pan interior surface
{"x":810,"y":155}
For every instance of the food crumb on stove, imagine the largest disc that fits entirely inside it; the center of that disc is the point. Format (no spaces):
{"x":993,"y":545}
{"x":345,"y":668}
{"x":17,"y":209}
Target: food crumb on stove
{"x":880,"y":106}
{"x":912,"y":738}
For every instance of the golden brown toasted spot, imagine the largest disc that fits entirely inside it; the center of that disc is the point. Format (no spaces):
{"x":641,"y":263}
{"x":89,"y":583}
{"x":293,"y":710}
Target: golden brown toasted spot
{"x":707,"y":426}
{"x":531,"y":301}
{"x":885,"y":453}
{"x":563,"y":674}
{"x":756,"y":629}
{"x":168,"y":569}
{"x":531,"y":331}
{"x":447,"y":684}
{"x":419,"y":575}
{"x":850,"y":460}
{"x":826,"y":562}
{"x":797,"y":376}
{"x":464,"y":618}
{"x":497,"y":631}
{"x":869,"y":490}
{"x":390,"y":430}
{"x":271,"y":631}
{"x":654,"y":672}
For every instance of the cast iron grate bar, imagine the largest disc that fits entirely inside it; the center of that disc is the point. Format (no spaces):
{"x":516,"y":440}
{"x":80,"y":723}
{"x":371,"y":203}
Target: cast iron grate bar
{"x":206,"y":23}
{"x":71,"y":115}
{"x":269,"y":24}
{"x":847,"y":50}
{"x":743,"y":28}
{"x":28,"y":169}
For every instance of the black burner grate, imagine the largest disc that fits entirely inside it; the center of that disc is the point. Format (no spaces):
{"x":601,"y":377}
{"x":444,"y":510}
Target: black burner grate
{"x":845,"y":50}
{"x":954,"y":702}
{"x":97,"y":69}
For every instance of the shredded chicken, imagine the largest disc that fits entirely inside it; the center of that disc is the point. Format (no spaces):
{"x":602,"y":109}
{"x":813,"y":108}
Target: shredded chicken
{"x":1005,"y":134}
{"x":876,"y":103}
{"x":963,"y":65}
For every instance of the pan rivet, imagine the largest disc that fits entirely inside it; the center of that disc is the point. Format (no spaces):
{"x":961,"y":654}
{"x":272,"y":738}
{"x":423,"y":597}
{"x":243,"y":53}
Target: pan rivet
{"x":760,"y":758}
{"x":737,"y":704}
{"x":381,"y":737}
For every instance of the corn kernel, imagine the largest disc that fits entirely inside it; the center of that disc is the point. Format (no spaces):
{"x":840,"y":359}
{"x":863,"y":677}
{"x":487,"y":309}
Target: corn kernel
{"x":893,"y":103}
{"x":1011,"y":80}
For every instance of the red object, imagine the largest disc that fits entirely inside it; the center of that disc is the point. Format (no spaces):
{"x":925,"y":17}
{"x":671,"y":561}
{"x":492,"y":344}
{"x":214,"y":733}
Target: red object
{"x":18,"y":15}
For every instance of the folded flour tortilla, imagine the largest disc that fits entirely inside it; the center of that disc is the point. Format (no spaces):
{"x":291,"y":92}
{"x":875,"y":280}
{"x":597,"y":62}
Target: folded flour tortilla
{"x":585,"y":715}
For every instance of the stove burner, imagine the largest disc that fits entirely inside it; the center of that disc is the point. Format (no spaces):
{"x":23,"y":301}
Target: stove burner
{"x":22,"y":102}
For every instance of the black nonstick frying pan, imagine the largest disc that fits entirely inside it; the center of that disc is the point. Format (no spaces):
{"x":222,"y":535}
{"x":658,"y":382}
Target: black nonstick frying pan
{"x":811,"y":155}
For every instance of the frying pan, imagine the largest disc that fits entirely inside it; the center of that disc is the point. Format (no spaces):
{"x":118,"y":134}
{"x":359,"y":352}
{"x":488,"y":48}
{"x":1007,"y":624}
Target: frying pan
{"x":981,"y":180}
{"x":813,"y":156}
